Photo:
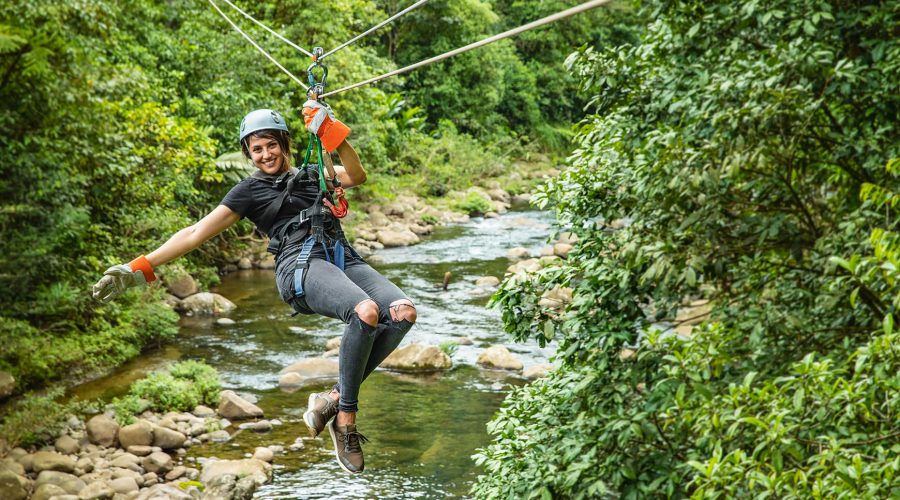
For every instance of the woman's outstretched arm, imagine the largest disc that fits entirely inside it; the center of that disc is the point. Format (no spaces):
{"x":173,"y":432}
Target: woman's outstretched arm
{"x":192,"y":237}
{"x":350,"y":171}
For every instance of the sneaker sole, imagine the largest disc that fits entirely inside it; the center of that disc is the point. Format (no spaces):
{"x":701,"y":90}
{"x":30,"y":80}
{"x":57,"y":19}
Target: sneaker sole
{"x":335,"y":443}
{"x":308,"y":416}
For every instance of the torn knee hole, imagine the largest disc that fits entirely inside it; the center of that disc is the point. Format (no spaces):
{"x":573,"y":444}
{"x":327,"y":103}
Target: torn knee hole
{"x":403,"y":310}
{"x":367,"y":311}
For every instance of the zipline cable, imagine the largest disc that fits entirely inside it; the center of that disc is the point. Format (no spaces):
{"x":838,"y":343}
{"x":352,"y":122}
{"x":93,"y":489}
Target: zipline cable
{"x":373,"y":28}
{"x":262,"y":50}
{"x":506,"y":34}
{"x":263,"y":26}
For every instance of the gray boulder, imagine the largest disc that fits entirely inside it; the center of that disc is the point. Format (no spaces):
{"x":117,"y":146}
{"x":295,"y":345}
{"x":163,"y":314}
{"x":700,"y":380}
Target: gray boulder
{"x":139,"y":433}
{"x":308,"y":370}
{"x":52,"y":461}
{"x":221,"y":477}
{"x":417,"y":358}
{"x":498,"y":357}
{"x":164,"y":492}
{"x":181,"y":284}
{"x":66,"y":445}
{"x":124,"y":485}
{"x":534,"y":372}
{"x":97,"y":491}
{"x":158,"y":462}
{"x":234,"y":407}
{"x":13,"y":486}
{"x":102,"y":430}
{"x":391,"y":238}
{"x":167,"y":439}
{"x":208,"y":304}
{"x":68,"y":482}
{"x":487,"y":281}
{"x":47,"y":491}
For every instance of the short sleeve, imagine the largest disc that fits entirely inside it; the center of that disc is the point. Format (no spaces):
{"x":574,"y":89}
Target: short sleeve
{"x":239,"y":199}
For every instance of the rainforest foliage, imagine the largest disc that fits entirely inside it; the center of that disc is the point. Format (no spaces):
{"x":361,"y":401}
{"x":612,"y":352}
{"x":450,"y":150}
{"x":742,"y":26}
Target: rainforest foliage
{"x":115,"y":112}
{"x":747,"y":152}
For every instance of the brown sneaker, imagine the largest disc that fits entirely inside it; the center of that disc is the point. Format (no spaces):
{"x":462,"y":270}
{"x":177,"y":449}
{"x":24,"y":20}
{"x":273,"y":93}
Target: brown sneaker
{"x":320,"y":410}
{"x":347,"y":447}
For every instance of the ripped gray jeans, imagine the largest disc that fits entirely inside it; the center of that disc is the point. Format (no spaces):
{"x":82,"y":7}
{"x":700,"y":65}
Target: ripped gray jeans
{"x":335,"y":294}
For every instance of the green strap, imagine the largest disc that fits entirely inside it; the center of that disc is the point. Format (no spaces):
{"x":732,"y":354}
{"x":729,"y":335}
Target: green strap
{"x":313,"y":139}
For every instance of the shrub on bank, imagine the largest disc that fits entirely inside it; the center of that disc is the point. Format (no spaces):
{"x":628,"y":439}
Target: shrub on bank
{"x":746,"y":147}
{"x":181,"y":388}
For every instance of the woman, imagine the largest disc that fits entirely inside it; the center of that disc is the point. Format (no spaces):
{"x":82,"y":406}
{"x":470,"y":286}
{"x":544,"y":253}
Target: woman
{"x":316,"y":269}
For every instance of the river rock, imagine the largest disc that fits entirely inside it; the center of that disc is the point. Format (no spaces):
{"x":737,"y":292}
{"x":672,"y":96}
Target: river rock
{"x":140,"y":450}
{"x":52,"y":461}
{"x":124,"y":485}
{"x":13,"y":486}
{"x":7,"y":384}
{"x":207,"y":303}
{"x":181,"y":284}
{"x":245,"y":263}
{"x":203,"y":411}
{"x":520,"y":199}
{"x":97,"y":491}
{"x":259,"y":471}
{"x":527,"y":265}
{"x":499,"y":195}
{"x":261,"y":426}
{"x":66,"y":445}
{"x":168,"y":439}
{"x":556,"y":298}
{"x":307,"y":370}
{"x":102,"y":430}
{"x":68,"y":482}
{"x":264,"y":454}
{"x":12,"y":465}
{"x":164,"y":492}
{"x":487,"y":281}
{"x":267,"y":262}
{"x":491,"y":215}
{"x":391,"y":238}
{"x":176,"y":473}
{"x":518,"y":253}
{"x":499,"y":357}
{"x":158,"y":462}
{"x":128,"y":461}
{"x":464,"y":341}
{"x":535,"y":372}
{"x":416,"y":358}
{"x":47,"y":491}
{"x":567,"y":237}
{"x":225,"y":321}
{"x":333,"y":343}
{"x":139,"y":433}
{"x":27,"y":461}
{"x":234,"y":407}
{"x":562,"y":249}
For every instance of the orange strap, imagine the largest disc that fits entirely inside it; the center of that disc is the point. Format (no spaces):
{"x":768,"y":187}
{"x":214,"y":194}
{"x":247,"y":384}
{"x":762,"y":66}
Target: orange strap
{"x":143,"y":265}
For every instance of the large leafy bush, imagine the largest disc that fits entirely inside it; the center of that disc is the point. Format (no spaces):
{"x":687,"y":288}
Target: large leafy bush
{"x":740,"y":150}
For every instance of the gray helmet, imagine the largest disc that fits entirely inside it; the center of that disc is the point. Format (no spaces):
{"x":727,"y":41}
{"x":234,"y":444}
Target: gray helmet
{"x":262,"y":119}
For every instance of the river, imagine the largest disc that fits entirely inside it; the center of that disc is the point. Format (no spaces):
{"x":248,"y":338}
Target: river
{"x":422,"y":429}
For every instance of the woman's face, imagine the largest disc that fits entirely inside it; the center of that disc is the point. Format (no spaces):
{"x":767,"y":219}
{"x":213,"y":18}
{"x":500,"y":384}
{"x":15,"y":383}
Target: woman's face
{"x":266,"y":154}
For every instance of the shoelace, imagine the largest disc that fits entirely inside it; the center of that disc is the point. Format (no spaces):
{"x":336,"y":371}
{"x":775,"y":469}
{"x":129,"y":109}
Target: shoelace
{"x":352,"y":442}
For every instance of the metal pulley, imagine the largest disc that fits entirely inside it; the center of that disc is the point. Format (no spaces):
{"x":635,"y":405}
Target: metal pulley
{"x":316,"y":85}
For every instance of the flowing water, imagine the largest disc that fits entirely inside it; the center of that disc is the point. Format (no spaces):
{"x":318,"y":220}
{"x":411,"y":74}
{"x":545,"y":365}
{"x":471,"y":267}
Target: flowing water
{"x":422,"y":429}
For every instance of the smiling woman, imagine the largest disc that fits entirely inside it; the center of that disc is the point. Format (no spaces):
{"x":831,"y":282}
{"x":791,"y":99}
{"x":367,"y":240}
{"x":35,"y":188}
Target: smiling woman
{"x":317,"y":271}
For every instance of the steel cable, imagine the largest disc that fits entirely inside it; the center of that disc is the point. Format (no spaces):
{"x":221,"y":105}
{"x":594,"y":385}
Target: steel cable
{"x":263,"y":51}
{"x":263,"y":26}
{"x":373,"y":28}
{"x":506,"y":34}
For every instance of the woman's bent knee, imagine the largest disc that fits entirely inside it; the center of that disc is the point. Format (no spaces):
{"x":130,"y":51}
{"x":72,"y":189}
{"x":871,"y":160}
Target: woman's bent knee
{"x":367,"y":311}
{"x":403,"y":310}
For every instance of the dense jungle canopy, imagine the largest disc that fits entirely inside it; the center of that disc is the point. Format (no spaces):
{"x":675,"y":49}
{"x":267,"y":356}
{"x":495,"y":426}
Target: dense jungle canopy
{"x":738,"y":153}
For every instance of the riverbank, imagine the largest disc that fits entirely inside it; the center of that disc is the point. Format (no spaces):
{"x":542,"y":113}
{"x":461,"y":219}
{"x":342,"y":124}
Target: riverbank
{"x":423,"y":427}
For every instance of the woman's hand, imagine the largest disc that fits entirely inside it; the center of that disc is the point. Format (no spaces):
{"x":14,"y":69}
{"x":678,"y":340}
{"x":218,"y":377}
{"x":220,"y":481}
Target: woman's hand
{"x":320,"y":121}
{"x":118,"y":279}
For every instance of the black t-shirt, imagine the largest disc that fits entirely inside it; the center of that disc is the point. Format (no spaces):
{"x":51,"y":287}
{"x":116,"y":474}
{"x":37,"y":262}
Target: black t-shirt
{"x":252,"y":196}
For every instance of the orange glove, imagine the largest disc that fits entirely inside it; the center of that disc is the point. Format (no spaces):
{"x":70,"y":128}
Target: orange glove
{"x":320,"y":120}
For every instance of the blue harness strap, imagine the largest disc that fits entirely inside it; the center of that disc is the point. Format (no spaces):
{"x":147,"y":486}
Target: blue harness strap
{"x":302,"y":265}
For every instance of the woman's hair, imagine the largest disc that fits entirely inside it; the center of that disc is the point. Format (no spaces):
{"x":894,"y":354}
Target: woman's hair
{"x":281,"y":137}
